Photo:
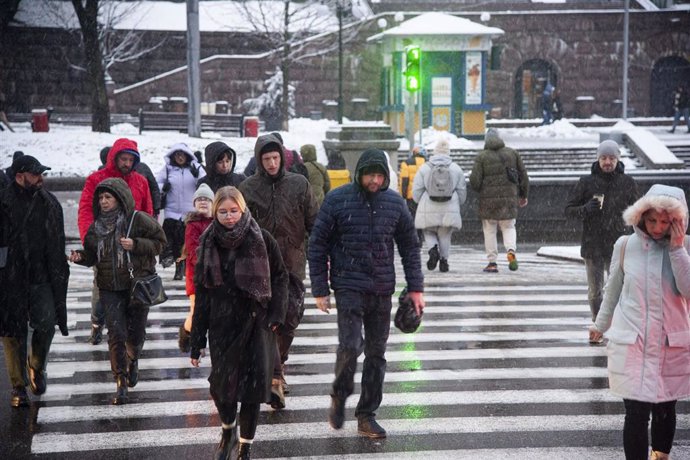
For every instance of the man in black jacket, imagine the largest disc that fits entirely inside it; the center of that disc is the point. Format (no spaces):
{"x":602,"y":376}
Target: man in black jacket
{"x":599,"y":201}
{"x":33,"y":276}
{"x":353,"y":238}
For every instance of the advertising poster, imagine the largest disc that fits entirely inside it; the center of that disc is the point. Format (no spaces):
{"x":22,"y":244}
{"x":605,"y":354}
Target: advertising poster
{"x":473,"y":77}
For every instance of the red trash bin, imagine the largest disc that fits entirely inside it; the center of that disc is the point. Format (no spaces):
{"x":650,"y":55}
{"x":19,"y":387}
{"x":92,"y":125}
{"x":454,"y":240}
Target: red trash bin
{"x":39,"y":121}
{"x":251,"y":126}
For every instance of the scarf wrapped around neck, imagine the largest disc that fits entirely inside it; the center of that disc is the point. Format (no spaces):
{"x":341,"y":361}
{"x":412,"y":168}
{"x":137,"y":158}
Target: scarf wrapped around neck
{"x":109,"y":227}
{"x":252,"y":269}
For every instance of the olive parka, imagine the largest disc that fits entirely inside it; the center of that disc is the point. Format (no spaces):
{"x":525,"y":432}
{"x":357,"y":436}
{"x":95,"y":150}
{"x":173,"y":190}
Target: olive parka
{"x":149,"y":241}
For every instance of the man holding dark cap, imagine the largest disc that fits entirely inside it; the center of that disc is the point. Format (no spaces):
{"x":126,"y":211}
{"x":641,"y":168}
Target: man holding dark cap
{"x":33,"y":276}
{"x":282,"y":203}
{"x":121,"y":160}
{"x":351,"y":247}
{"x":599,"y":201}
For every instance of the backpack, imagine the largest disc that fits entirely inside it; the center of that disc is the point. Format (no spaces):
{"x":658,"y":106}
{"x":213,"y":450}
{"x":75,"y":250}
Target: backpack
{"x":439,"y":186}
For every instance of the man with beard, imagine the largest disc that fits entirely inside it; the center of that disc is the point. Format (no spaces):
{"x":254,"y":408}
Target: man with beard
{"x":121,"y":161}
{"x":599,"y":201}
{"x":33,"y":277}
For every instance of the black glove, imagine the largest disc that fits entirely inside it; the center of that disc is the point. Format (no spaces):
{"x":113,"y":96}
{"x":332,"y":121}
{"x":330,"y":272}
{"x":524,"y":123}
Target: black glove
{"x":592,"y":206}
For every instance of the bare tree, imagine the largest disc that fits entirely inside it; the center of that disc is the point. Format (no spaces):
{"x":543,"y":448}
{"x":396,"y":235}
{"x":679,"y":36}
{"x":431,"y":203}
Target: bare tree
{"x":302,"y":30}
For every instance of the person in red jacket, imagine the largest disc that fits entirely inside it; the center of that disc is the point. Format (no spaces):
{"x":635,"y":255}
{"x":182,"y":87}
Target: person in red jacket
{"x":121,"y":161}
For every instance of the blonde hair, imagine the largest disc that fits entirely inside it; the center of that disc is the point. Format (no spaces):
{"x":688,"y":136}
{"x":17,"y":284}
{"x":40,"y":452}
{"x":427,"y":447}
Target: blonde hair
{"x":228,"y":193}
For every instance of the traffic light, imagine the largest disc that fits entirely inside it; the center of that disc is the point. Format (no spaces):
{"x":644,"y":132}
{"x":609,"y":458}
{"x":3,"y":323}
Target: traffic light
{"x":413,"y":75}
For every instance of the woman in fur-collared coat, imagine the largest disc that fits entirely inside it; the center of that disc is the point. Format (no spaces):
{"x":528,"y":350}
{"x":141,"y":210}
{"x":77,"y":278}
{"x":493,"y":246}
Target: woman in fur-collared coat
{"x":646,"y":317}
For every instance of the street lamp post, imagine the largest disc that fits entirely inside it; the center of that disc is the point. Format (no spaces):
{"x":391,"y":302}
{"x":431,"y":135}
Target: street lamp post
{"x":340,"y":61}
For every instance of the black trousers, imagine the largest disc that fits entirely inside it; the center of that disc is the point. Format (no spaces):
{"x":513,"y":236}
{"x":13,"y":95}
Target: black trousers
{"x":635,"y":440}
{"x":126,"y":329}
{"x":42,"y":321}
{"x":174,"y":233}
{"x":357,"y":310}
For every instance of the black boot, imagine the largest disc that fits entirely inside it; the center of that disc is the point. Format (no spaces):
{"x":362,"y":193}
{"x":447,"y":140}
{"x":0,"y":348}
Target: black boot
{"x":179,"y":271}
{"x":443,"y":266}
{"x":244,"y":452}
{"x":227,"y":445}
{"x":121,"y":394}
{"x":433,"y":258}
{"x":133,"y":373}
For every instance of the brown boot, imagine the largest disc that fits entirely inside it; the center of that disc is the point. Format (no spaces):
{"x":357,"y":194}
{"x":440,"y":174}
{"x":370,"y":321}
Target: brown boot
{"x":277,"y":395}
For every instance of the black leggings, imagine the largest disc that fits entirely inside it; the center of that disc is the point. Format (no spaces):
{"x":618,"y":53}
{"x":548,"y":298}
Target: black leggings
{"x":635,"y":441}
{"x":249,"y":417}
{"x":174,"y":233}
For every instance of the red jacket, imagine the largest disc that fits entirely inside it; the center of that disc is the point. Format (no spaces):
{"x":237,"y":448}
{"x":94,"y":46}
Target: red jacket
{"x":137,"y":184}
{"x":196,"y":224}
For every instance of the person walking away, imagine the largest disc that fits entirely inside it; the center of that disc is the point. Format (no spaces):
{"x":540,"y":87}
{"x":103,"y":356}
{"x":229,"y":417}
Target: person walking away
{"x":337,"y":171}
{"x":282,"y":203}
{"x":196,"y":223}
{"x":646,"y":317}
{"x":121,"y":161}
{"x":119,"y":234}
{"x":33,"y":277}
{"x":318,"y":176}
{"x":241,"y":291}
{"x":598,"y":200}
{"x":408,"y":171}
{"x":354,"y":237}
{"x":440,"y":190}
{"x":557,"y":106}
{"x":500,"y":178}
{"x":681,"y":106}
{"x":220,"y":167}
{"x":547,"y":104}
{"x":177,"y":182}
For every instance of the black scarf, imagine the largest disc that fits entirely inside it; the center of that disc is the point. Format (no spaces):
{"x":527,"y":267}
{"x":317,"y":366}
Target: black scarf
{"x":109,"y":227}
{"x":252,"y":269}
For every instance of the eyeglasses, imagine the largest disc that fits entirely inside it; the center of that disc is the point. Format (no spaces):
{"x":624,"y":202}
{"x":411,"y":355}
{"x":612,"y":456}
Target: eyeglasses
{"x":223,"y":214}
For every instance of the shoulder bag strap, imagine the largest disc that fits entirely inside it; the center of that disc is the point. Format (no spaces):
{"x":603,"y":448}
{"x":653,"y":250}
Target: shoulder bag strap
{"x":130,"y":266}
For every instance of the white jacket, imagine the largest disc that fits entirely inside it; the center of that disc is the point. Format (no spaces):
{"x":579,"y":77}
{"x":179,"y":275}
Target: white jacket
{"x":645,"y":311}
{"x":431,"y":214}
{"x":180,"y":198}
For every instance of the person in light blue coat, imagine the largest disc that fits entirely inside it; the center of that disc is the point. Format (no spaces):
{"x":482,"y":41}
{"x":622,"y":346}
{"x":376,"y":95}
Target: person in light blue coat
{"x":439,"y":216}
{"x":177,"y":182}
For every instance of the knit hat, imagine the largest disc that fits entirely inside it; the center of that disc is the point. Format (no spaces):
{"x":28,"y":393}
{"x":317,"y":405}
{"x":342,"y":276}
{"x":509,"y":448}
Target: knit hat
{"x":442,"y":147}
{"x":608,"y":148}
{"x":204,"y":191}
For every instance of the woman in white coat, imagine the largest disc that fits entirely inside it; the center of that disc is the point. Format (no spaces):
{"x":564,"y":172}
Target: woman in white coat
{"x":439,"y":189}
{"x":646,"y":317}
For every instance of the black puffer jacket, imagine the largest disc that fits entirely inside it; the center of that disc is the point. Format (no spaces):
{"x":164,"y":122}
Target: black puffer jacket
{"x":149,"y":240}
{"x":601,"y":229}
{"x":284,"y":205}
{"x":36,"y":256}
{"x":354,"y":233}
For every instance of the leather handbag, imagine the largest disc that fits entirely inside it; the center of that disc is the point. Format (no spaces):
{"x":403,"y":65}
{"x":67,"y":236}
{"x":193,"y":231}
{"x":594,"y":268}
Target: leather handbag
{"x":146,"y":291}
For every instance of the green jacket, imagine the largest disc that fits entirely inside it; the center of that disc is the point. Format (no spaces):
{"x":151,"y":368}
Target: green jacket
{"x":318,"y":176}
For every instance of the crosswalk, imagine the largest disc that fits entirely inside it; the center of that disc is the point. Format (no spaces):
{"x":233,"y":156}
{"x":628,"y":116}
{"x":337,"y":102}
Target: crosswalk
{"x":501,"y":369}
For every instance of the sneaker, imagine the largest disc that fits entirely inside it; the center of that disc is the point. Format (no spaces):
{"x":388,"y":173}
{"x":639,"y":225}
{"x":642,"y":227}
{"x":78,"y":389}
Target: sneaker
{"x":19,"y":397}
{"x":367,"y":426}
{"x":491,"y":268}
{"x":443,"y":265}
{"x":277,"y":395}
{"x":336,"y":414}
{"x":96,"y":334}
{"x":433,"y":258}
{"x":512,"y":261}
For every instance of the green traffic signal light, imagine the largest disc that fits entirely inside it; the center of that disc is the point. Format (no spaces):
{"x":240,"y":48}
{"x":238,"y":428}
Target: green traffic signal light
{"x":412,"y":68}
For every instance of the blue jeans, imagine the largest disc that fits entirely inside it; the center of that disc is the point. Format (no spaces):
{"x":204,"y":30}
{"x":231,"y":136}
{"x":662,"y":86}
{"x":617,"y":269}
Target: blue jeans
{"x":676,"y":118}
{"x":595,"y":282}
{"x":357,"y":309}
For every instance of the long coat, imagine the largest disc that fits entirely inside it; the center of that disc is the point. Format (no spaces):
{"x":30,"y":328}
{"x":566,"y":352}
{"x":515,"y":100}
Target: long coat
{"x":600,"y":230}
{"x":149,"y":240}
{"x":498,"y":197}
{"x":431,"y":214}
{"x":179,"y":200}
{"x":241,"y":344}
{"x":646,"y":316}
{"x":36,"y":255}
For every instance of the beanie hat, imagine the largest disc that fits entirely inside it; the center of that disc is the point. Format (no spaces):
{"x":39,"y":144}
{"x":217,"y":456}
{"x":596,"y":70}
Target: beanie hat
{"x":204,"y":191}
{"x":608,"y":148}
{"x":442,"y":147}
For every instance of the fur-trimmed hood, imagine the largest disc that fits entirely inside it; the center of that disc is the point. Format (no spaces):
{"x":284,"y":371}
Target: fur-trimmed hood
{"x":661,"y":198}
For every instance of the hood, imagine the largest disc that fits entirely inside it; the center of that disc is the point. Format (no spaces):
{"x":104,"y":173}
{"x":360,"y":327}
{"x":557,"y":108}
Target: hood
{"x":661,"y":198}
{"x":308,"y":152}
{"x":122,"y":145}
{"x":372,"y":157}
{"x":211,"y":154}
{"x":104,"y":154}
{"x":261,"y":143}
{"x":119,"y":189}
{"x":182,"y":147}
{"x":493,"y":141}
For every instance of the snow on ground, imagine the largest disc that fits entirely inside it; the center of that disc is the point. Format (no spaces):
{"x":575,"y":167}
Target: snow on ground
{"x":558,"y":129}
